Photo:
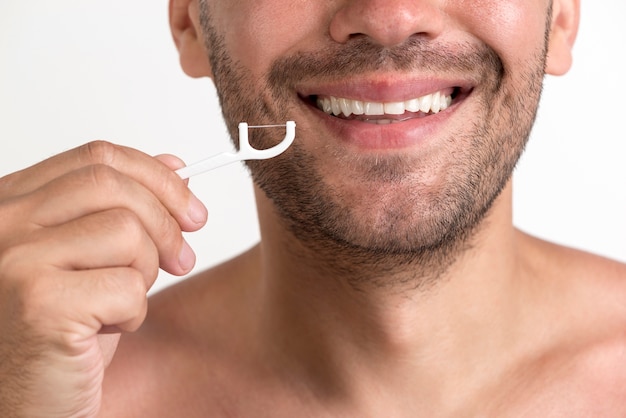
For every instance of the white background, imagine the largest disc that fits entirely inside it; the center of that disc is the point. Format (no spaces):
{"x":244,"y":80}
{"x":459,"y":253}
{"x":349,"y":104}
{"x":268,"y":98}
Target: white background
{"x":76,"y":70}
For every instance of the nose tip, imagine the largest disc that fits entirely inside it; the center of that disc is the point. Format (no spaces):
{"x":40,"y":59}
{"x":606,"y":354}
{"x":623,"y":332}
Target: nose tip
{"x":386,"y":22}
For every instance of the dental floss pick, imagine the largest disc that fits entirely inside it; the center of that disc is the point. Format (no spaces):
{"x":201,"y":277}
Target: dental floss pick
{"x":245,"y":152}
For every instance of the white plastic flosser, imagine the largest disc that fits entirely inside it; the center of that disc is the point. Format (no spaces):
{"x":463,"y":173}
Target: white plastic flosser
{"x":245,"y":152}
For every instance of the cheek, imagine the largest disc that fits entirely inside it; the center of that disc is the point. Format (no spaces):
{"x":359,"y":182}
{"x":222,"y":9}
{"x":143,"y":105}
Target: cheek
{"x":515,"y":29}
{"x":260,"y":31}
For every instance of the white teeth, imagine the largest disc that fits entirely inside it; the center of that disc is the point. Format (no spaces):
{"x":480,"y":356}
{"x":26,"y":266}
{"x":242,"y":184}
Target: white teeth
{"x":412,"y":105}
{"x":425,"y":103}
{"x":374,"y":109}
{"x":394,"y":108}
{"x":345,"y":107}
{"x":358,"y":108}
{"x":334,"y":105}
{"x":444,"y":102}
{"x":431,"y":103}
{"x":326,"y":106}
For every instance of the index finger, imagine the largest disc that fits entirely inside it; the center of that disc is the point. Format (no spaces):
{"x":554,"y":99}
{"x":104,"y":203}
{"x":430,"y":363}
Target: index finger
{"x":152,"y":173}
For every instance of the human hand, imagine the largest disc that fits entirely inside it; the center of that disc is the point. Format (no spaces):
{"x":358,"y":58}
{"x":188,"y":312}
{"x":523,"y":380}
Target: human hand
{"x":82,"y":236}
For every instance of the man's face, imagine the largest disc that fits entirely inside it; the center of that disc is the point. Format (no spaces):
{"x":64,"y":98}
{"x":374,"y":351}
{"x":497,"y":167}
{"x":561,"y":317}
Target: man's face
{"x":410,"y":114}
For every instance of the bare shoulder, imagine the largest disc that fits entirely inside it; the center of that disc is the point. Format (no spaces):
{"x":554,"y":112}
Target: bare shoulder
{"x":592,"y":272}
{"x":598,"y":280}
{"x":600,"y":288}
{"x":588,"y":297}
{"x":593,"y":266}
{"x":591,"y":285}
{"x":578,"y":312}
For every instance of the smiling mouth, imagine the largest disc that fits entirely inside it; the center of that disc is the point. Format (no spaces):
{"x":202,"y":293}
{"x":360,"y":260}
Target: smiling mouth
{"x":383,"y":113}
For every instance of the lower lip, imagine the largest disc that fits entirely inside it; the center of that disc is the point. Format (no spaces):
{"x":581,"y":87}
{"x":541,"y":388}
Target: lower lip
{"x":370,"y":136}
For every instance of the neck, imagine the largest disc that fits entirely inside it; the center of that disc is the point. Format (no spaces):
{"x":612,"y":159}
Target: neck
{"x":401,"y":331}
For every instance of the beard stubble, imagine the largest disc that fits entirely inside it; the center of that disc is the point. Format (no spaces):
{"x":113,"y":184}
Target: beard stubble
{"x":417,"y":227}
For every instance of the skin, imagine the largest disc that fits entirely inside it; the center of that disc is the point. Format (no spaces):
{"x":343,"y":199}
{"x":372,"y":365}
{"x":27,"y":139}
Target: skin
{"x":315,"y":321}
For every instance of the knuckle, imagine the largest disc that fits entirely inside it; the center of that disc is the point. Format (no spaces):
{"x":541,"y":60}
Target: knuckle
{"x":104,"y":178}
{"x":135,"y":298}
{"x":122,"y":219}
{"x":137,"y":241}
{"x":139,"y":308}
{"x":98,"y":152}
{"x":135,"y":286}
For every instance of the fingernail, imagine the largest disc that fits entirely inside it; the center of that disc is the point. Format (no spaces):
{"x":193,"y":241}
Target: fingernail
{"x":187,"y":258}
{"x":197,"y":212}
